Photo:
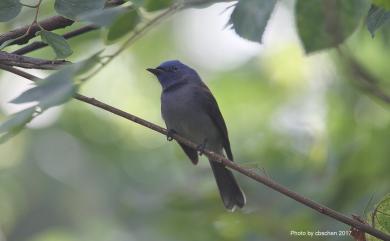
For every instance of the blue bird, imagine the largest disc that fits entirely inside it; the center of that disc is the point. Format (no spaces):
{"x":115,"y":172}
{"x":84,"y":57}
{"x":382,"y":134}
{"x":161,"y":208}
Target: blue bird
{"x":190,"y":110}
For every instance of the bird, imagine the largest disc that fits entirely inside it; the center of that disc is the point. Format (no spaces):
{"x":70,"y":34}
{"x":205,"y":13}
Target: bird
{"x":190,"y":110}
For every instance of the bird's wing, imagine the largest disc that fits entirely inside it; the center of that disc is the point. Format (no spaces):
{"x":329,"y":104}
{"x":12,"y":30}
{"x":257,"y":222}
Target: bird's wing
{"x":211,"y":107}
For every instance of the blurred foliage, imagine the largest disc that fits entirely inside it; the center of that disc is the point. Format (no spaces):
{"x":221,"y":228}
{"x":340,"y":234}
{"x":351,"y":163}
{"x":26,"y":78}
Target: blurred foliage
{"x":89,"y":175}
{"x":323,"y":24}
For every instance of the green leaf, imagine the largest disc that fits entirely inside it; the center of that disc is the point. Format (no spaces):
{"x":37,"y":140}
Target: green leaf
{"x":376,"y":18}
{"x":57,"y":43}
{"x":123,"y":25}
{"x":249,"y":18}
{"x":382,"y":214}
{"x":74,"y":8}
{"x":57,"y":88}
{"x":103,"y":17}
{"x":327,"y":23}
{"x":382,"y":3}
{"x":9,"y":9}
{"x":51,"y":91}
{"x":15,"y":123}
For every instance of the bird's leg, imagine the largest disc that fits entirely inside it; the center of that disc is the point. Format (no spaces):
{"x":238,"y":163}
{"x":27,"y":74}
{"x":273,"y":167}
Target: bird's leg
{"x":200,"y":148}
{"x":170,"y":133}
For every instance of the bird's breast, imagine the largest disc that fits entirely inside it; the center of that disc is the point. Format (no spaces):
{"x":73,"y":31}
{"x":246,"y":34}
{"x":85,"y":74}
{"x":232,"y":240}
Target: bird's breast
{"x":183,"y":112}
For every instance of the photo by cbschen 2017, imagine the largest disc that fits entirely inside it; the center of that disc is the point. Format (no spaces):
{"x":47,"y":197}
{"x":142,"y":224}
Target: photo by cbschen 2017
{"x":250,"y":120}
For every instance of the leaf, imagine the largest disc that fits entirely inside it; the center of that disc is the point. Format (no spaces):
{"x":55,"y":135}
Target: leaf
{"x":249,"y":18}
{"x":59,"y":87}
{"x":15,"y":123}
{"x":382,"y":214}
{"x":74,"y":8}
{"x":327,"y":23}
{"x":9,"y":9}
{"x":103,"y":17}
{"x":376,"y":18}
{"x":123,"y":25}
{"x":57,"y":43}
{"x":51,"y":91}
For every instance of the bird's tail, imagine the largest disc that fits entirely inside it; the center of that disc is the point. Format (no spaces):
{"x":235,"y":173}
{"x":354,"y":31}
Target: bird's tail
{"x":231,"y":194}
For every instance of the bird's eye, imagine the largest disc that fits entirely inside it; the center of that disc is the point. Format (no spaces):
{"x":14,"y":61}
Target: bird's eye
{"x":174,"y":68}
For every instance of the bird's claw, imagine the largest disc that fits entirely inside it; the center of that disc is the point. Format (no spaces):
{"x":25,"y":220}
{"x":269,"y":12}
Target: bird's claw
{"x":200,"y":148}
{"x":170,"y":134}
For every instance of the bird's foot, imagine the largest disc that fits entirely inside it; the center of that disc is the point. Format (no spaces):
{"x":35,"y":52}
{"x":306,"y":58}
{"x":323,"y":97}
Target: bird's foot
{"x":200,"y":148}
{"x":170,"y":134}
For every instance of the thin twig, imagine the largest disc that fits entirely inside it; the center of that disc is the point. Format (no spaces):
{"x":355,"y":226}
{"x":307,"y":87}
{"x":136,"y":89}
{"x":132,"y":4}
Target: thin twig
{"x":39,"y":44}
{"x":221,"y":159}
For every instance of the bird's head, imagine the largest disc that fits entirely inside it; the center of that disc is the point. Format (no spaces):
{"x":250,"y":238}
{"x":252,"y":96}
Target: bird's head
{"x":173,"y":72}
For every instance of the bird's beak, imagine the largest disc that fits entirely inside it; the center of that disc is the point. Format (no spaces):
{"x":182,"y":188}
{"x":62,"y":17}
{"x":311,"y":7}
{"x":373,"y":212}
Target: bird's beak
{"x":155,"y":71}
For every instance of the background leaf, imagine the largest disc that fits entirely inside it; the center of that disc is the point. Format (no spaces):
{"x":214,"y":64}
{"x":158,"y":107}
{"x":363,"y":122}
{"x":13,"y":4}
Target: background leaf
{"x":377,"y":16}
{"x":249,"y":18}
{"x":74,"y":8}
{"x":123,"y":25}
{"x":327,"y":23}
{"x":9,"y":9}
{"x":57,"y":43}
{"x":103,"y":17}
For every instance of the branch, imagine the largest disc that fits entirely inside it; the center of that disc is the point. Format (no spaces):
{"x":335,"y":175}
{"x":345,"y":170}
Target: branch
{"x":29,"y":62}
{"x":39,"y":44}
{"x":221,"y":159}
{"x":29,"y":31}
